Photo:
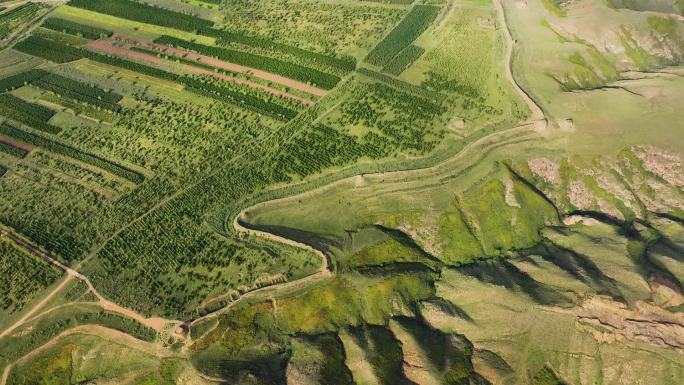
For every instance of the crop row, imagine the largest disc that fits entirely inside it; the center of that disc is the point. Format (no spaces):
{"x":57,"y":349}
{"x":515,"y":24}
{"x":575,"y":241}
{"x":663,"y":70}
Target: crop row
{"x":74,"y":28}
{"x":193,"y":85}
{"x":413,"y":25}
{"x":48,"y":49}
{"x":3,"y":170}
{"x":251,"y":102}
{"x":21,"y":79}
{"x":12,"y":19}
{"x":401,"y":85}
{"x":346,"y":64}
{"x":63,"y":149}
{"x":78,"y":91}
{"x":158,"y":16}
{"x":275,"y":66}
{"x":143,"y":13}
{"x":11,"y":150}
{"x":28,"y":113}
{"x":403,"y":60}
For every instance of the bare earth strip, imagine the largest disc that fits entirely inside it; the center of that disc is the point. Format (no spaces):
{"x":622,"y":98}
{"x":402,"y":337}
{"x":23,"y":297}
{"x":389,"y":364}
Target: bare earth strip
{"x":125,"y":52}
{"x":222,"y":64}
{"x":16,"y":144}
{"x":247,"y":83}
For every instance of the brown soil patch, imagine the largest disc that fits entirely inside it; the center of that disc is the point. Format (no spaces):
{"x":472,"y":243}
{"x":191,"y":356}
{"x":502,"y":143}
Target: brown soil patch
{"x":14,"y":143}
{"x":247,"y":83}
{"x":208,"y":60}
{"x":119,"y":51}
{"x":609,"y":321}
{"x":546,"y":168}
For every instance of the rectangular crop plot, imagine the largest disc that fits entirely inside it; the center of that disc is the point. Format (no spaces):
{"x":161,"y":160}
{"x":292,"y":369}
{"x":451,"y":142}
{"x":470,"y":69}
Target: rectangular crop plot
{"x":74,"y":28}
{"x":48,"y":49}
{"x":274,"y":66}
{"x":14,"y":18}
{"x":32,"y":115}
{"x":66,"y":150}
{"x":144,"y":13}
{"x":78,"y":91}
{"x":403,"y":60}
{"x":408,"y":30}
{"x":21,"y":79}
{"x":225,"y":37}
{"x":23,"y":274}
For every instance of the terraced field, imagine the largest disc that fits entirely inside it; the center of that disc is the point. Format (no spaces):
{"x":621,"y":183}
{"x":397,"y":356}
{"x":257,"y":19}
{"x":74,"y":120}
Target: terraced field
{"x":355,"y":192}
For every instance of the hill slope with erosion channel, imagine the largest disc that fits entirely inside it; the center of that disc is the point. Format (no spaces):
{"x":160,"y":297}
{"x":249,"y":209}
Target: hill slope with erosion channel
{"x":456,"y":192}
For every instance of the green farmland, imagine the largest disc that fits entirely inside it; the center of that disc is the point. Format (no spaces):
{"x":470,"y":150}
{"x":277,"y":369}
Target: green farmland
{"x":379,"y":192}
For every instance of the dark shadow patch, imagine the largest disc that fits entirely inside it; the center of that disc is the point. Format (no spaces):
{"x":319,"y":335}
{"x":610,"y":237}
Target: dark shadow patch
{"x":503,"y":273}
{"x":408,"y":242}
{"x":333,"y":371}
{"x":383,"y":352}
{"x":449,"y":308}
{"x":582,"y":268}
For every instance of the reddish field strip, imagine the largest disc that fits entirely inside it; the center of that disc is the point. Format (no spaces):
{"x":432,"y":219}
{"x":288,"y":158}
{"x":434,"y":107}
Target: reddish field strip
{"x":247,"y":83}
{"x":120,"y":51}
{"x":222,"y":64}
{"x":125,"y":52}
{"x":14,"y":143}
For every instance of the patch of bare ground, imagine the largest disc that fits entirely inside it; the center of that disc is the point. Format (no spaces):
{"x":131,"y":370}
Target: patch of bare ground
{"x":16,"y":144}
{"x":665,"y":164}
{"x":665,"y":293}
{"x":546,"y":169}
{"x":222,"y":64}
{"x":105,"y":47}
{"x":575,"y":219}
{"x":580,"y":196}
{"x":416,"y":364}
{"x":608,"y":321}
{"x":509,"y":195}
{"x":609,"y":182}
{"x":247,"y":83}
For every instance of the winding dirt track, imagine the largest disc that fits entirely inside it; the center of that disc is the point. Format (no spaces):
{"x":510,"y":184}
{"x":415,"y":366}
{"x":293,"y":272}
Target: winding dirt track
{"x":537,"y":120}
{"x":537,"y":113}
{"x":155,"y":323}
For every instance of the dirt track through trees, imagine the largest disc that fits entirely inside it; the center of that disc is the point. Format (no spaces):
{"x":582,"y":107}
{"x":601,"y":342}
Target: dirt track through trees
{"x":154,"y":323}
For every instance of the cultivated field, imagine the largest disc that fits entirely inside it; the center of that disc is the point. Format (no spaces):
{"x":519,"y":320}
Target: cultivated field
{"x":355,"y":192}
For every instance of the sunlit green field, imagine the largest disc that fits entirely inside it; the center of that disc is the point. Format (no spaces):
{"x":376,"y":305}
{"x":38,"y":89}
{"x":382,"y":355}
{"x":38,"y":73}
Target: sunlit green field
{"x":341,"y":192}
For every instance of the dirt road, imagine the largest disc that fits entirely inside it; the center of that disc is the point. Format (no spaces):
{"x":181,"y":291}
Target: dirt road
{"x":322,"y":274}
{"x":537,"y":113}
{"x":155,"y":323}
